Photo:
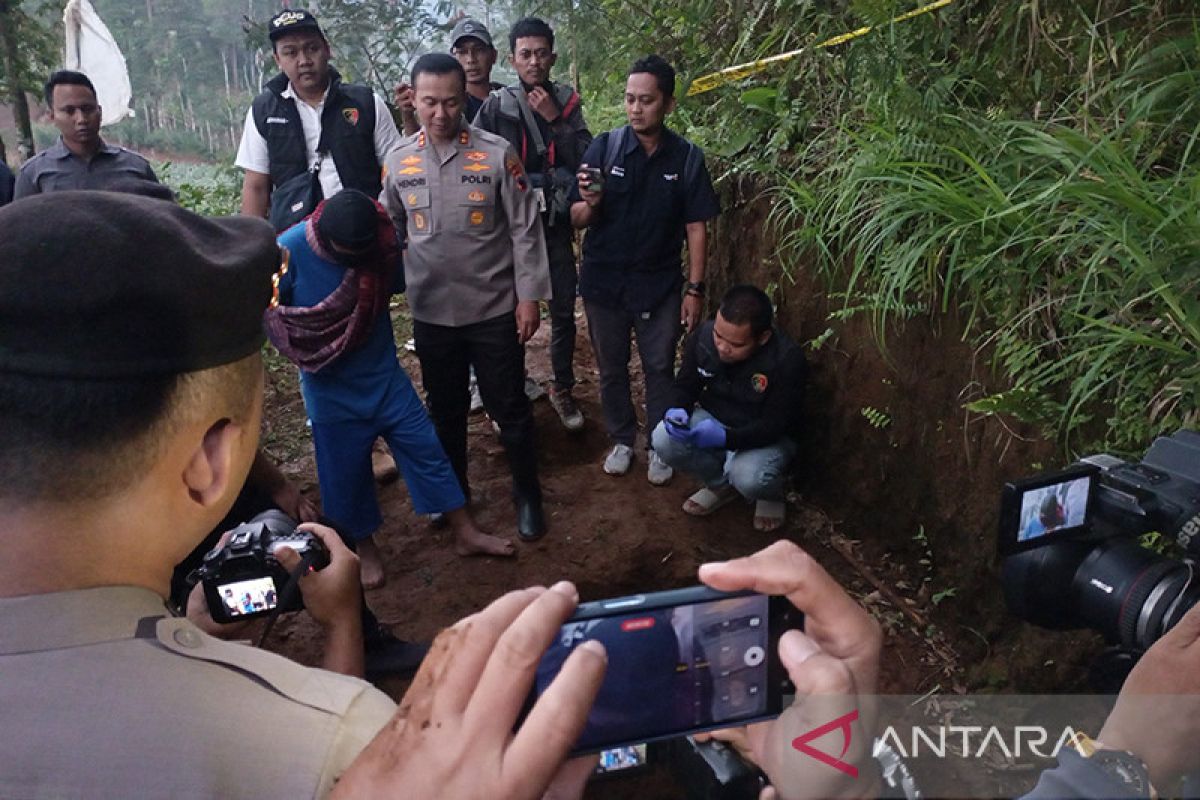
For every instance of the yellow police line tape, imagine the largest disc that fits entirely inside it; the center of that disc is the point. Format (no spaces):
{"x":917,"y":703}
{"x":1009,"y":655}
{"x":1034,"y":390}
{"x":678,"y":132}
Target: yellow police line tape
{"x":711,"y":81}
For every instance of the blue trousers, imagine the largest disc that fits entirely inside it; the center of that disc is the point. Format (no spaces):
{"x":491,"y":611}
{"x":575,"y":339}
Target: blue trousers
{"x":757,"y":474}
{"x":344,"y":462}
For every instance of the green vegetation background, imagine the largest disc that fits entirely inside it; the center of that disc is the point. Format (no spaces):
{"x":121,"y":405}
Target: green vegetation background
{"x":1030,"y":166}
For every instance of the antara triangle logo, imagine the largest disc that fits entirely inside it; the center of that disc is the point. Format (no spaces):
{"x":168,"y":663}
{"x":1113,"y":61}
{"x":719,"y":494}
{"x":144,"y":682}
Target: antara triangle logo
{"x":842,"y":723}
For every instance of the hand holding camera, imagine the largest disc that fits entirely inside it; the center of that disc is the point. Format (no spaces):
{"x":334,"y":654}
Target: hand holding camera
{"x":331,"y":594}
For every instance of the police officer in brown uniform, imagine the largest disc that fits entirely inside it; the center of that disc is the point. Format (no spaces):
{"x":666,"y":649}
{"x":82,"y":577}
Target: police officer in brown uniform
{"x":475,"y":265}
{"x":131,"y":408}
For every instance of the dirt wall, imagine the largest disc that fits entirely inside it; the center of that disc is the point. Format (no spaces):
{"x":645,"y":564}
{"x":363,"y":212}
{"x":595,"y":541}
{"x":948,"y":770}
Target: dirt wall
{"x":895,"y":459}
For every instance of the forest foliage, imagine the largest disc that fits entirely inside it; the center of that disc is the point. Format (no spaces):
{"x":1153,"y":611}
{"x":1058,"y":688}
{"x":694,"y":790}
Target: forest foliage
{"x":1031,"y":166}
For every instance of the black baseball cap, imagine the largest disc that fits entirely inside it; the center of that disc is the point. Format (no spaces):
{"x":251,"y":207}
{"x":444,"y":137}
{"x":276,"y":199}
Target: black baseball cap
{"x":467,"y":27}
{"x":292,"y":20}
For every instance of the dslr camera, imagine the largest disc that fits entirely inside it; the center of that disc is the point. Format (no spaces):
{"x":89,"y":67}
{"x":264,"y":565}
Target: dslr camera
{"x":1073,"y":556}
{"x":243,"y":578}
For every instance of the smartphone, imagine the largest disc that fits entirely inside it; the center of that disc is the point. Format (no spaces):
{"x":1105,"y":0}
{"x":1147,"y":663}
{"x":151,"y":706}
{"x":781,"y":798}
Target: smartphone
{"x":595,"y":179}
{"x":679,"y":662}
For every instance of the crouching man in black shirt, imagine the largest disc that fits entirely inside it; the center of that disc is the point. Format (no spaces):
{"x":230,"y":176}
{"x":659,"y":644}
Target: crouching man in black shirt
{"x":735,"y":409}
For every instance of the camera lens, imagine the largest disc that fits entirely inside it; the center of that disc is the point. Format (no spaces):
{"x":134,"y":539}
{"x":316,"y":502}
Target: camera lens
{"x":1130,"y":594}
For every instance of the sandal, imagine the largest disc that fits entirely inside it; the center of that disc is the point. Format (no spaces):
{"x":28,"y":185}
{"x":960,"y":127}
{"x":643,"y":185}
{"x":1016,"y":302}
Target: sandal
{"x":768,"y":515}
{"x":706,"y":501}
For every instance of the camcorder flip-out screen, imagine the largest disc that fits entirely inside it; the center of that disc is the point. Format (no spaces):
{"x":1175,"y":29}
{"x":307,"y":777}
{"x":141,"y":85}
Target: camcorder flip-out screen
{"x":1045,"y":508}
{"x":679,"y":662}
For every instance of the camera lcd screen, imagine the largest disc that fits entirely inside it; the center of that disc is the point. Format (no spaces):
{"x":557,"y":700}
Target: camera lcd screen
{"x":622,"y":758}
{"x":248,"y":597}
{"x":672,"y":669}
{"x":1038,"y":510}
{"x":1060,"y":505}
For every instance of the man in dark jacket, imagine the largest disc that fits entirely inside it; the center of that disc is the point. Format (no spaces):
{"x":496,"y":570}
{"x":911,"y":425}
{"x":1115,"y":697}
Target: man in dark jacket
{"x":308,"y":122}
{"x":544,"y":123}
{"x":736,"y":408}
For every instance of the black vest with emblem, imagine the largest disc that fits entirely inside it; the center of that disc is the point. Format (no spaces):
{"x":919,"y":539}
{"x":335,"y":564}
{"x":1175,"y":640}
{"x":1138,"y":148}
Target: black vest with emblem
{"x":347,"y":133}
{"x":735,"y":393}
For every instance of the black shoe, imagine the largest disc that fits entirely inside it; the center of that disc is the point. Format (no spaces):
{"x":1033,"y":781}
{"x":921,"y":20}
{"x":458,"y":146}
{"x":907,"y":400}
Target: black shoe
{"x":531,"y":520}
{"x":387,"y":655}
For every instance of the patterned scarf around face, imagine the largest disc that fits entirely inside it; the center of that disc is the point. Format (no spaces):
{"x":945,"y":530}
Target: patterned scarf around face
{"x":313,"y":337}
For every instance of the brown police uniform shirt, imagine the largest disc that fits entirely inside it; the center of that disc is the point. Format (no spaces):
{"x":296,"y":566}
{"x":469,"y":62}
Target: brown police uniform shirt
{"x":472,"y":232}
{"x":102,"y":695}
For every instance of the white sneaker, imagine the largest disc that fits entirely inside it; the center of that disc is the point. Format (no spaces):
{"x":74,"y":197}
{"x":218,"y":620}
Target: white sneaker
{"x":619,"y":460}
{"x":658,"y":472}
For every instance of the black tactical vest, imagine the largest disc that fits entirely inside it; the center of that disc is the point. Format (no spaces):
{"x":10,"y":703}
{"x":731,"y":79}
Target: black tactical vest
{"x":347,"y":133}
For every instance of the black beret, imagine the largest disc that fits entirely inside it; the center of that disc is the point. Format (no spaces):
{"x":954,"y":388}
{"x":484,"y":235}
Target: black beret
{"x":109,"y":285}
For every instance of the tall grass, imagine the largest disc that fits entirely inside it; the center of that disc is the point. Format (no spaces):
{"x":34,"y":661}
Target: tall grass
{"x":1073,"y":246}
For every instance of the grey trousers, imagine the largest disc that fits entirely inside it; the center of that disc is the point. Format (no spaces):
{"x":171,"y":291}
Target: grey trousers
{"x":657,"y":333}
{"x":758,"y":474}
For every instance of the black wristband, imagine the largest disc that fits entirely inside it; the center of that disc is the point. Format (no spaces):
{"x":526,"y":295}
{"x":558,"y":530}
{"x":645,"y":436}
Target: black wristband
{"x":696,"y":288}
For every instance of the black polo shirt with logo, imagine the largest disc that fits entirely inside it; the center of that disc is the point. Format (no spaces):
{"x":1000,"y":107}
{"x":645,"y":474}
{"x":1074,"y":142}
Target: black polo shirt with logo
{"x":632,"y":253}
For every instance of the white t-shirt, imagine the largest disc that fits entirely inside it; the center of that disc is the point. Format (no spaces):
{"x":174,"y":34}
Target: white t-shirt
{"x":252,"y":152}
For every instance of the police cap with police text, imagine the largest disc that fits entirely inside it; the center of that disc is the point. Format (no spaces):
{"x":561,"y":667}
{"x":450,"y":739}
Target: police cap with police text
{"x":292,"y":20}
{"x":468,"y":27}
{"x":104,"y":285}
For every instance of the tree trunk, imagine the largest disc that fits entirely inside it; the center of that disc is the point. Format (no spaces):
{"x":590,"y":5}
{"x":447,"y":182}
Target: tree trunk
{"x":8,"y":51}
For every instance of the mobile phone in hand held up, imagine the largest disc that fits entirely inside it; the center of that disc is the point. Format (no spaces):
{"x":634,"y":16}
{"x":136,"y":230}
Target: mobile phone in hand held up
{"x":679,"y":662}
{"x":595,"y":177}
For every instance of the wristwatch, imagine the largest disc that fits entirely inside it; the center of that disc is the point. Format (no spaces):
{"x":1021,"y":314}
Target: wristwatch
{"x":1120,"y":765}
{"x":694,"y":288}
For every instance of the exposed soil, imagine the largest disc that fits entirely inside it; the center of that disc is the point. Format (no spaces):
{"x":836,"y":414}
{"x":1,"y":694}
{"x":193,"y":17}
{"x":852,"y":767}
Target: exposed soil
{"x":896,"y":494}
{"x":609,"y":535}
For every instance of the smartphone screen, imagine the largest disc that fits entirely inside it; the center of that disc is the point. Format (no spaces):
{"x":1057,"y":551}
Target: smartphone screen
{"x":678,"y":662}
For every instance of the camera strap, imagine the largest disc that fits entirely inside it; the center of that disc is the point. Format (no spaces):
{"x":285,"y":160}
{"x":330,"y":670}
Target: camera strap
{"x":288,"y":592}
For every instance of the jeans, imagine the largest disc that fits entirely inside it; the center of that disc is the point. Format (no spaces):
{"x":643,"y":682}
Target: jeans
{"x":657,"y":333}
{"x":758,"y":474}
{"x":446,"y":354}
{"x":564,"y":278}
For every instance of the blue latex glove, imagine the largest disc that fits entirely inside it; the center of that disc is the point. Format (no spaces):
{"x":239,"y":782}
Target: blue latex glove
{"x":676,"y":423}
{"x":708,"y":433}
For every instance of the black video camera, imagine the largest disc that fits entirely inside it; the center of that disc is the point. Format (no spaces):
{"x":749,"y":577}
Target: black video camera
{"x":1073,"y":558}
{"x":243,"y":578}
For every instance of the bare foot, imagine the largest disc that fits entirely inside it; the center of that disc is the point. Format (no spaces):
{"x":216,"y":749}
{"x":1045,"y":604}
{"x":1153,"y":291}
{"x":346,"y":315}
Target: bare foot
{"x":469,"y":540}
{"x":370,"y":562}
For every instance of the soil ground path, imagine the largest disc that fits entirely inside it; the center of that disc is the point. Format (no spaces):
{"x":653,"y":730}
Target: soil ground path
{"x":609,"y":535}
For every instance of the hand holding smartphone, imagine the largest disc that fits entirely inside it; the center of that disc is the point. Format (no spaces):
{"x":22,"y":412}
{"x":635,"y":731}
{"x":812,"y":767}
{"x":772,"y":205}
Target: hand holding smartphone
{"x":679,"y":662}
